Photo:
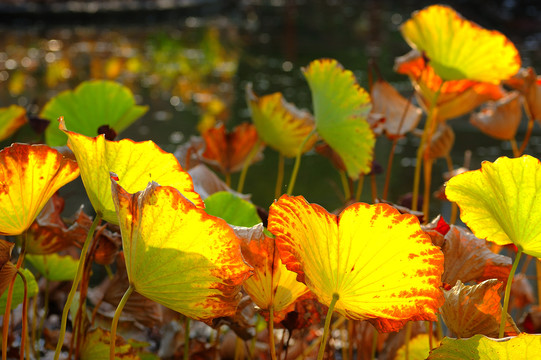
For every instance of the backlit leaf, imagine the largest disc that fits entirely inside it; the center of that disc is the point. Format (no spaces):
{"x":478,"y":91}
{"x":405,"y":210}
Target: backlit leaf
{"x":500,"y":202}
{"x":29,"y":176}
{"x":206,"y":182}
{"x":54,"y":267}
{"x":460,"y":49}
{"x":418,"y":348}
{"x":231,"y":208}
{"x":7,"y":269}
{"x":96,"y":347}
{"x":529,"y":84}
{"x":18,"y":290}
{"x":135,"y":163}
{"x":280,"y":124}
{"x":178,"y":255}
{"x":479,"y":347}
{"x":500,"y":119}
{"x":341,"y":108}
{"x":11,"y":119}
{"x":379,"y":262}
{"x":91,"y":105}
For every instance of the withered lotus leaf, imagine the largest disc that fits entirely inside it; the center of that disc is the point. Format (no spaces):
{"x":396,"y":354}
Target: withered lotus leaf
{"x":500,"y":202}
{"x":468,"y":258}
{"x":379,"y":263}
{"x":341,"y":108}
{"x":178,"y":255}
{"x":272,"y":284}
{"x":18,"y":290}
{"x":400,"y":115}
{"x":29,"y":176}
{"x":441,"y":142}
{"x":136,"y":164}
{"x":11,"y":119}
{"x":7,"y":269}
{"x":280,"y":124}
{"x":228,"y":150}
{"x":206,"y":182}
{"x":460,"y":49}
{"x":523,"y":346}
{"x":500,"y":119}
{"x":522,"y":293}
{"x":476,"y":309}
{"x":529,"y":84}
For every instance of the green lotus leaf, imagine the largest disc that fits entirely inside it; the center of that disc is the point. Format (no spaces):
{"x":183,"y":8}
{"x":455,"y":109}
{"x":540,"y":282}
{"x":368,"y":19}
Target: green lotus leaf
{"x":90,"y":106}
{"x":231,"y":208}
{"x":523,"y":346}
{"x":341,"y":108}
{"x":96,"y":347}
{"x":11,"y":119}
{"x":18,"y":290}
{"x":54,"y":267}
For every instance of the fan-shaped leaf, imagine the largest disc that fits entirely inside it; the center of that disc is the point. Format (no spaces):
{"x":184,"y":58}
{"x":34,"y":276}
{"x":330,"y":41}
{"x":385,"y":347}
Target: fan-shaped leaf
{"x":91,"y":105}
{"x":500,"y":119}
{"x":11,"y":119}
{"x":341,"y":108}
{"x":500,"y":201}
{"x":136,"y":163}
{"x":29,"y":176}
{"x":54,"y":267}
{"x":458,"y":48}
{"x":178,"y":255}
{"x":380,"y":263}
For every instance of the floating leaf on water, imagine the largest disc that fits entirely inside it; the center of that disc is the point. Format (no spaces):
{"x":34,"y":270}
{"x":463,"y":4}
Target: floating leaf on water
{"x":379,"y":262}
{"x":11,"y":119}
{"x":500,"y":119}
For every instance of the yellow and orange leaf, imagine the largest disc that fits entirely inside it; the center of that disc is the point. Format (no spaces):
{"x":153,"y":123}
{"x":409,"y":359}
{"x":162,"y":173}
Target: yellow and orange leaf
{"x":136,"y":164}
{"x":500,"y":202}
{"x":11,"y":119}
{"x":380,"y":263}
{"x":460,"y":49}
{"x":178,"y":255}
{"x":29,"y":176}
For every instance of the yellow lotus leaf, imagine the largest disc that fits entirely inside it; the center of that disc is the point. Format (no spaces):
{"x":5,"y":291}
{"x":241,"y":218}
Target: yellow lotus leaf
{"x":500,"y":202}
{"x":178,"y":255}
{"x":272,"y":284}
{"x":460,"y":49}
{"x":479,"y":347}
{"x":456,"y":97}
{"x":418,"y":348}
{"x":341,"y":108}
{"x":280,"y":124}
{"x":500,"y":119}
{"x":136,"y":164}
{"x":379,"y":263}
{"x":11,"y":119}
{"x":476,"y":309}
{"x":29,"y":176}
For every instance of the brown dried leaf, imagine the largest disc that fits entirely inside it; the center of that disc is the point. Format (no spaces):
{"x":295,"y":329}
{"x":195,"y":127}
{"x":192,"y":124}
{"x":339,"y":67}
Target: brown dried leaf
{"x":521,"y":292}
{"x":529,"y":84}
{"x":442,"y":141}
{"x":500,"y":119}
{"x":206,"y":182}
{"x":470,"y":310}
{"x":7,"y":269}
{"x":109,"y":243}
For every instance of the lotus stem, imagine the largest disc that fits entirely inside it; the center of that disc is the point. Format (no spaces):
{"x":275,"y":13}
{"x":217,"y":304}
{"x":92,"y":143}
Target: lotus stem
{"x":531,"y":121}
{"x":78,"y":276}
{"x":514,"y":147}
{"x":374,"y":344}
{"x":374,"y":187}
{"x":328,"y":318}
{"x":430,"y":334}
{"x":228,"y":179}
{"x":186,"y":355}
{"x":428,"y":180}
{"x":439,"y":328}
{"x":25,"y":314}
{"x":359,"y":191}
{"x":7,"y":312}
{"x":407,"y":340}
{"x":247,"y":164}
{"x":298,"y":163}
{"x":114,"y":324}
{"x":508,"y":292}
{"x":279,"y":177}
{"x":345,"y":185}
{"x":272,"y":346}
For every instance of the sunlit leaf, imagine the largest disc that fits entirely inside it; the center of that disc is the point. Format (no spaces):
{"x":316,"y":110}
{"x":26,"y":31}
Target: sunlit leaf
{"x":455,"y":98}
{"x":479,"y":347}
{"x":380,"y":263}
{"x":18,"y":290}
{"x":54,"y":267}
{"x":442,"y":142}
{"x":500,"y":201}
{"x":91,"y":105}
{"x":29,"y":176}
{"x":460,"y":49}
{"x":470,"y":310}
{"x":228,"y":150}
{"x":341,"y":108}
{"x":7,"y":269}
{"x":135,"y":163}
{"x":272,"y":284}
{"x":418,"y":348}
{"x":400,"y":116}
{"x":500,"y":119}
{"x":11,"y":119}
{"x":206,"y":182}
{"x":178,"y":255}
{"x":231,"y":208}
{"x":96,"y":347}
{"x":280,"y":124}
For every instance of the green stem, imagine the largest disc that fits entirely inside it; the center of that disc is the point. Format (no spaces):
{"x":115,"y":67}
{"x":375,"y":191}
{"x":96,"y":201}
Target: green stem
{"x":186,"y":355}
{"x":345,"y":185}
{"x":272,"y":346}
{"x":228,"y":179}
{"x":25,"y":314}
{"x":298,"y":163}
{"x":75,"y":285}
{"x":280,"y":177}
{"x":246,"y":165}
{"x":359,"y":191}
{"x":407,"y":340}
{"x":114,"y":324}
{"x":508,"y":292}
{"x":323,"y":344}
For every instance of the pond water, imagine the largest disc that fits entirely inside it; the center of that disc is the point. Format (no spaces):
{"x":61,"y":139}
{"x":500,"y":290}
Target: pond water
{"x":192,"y":65}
